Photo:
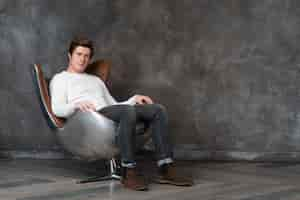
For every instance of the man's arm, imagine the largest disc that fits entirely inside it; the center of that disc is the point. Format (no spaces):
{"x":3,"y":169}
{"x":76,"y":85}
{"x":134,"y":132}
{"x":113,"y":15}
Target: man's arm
{"x":59,"y":103}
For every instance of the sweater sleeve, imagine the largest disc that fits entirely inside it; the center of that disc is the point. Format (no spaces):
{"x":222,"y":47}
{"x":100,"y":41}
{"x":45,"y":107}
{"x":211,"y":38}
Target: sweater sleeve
{"x":59,"y":103}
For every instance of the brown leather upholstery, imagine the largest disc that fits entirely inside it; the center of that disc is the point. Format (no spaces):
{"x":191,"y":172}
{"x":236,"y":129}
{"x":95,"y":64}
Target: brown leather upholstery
{"x":100,"y":68}
{"x":45,"y":98}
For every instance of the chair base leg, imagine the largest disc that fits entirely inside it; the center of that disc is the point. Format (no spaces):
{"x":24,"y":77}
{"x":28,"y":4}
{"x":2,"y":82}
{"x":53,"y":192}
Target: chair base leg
{"x":100,"y":178}
{"x":112,"y":176}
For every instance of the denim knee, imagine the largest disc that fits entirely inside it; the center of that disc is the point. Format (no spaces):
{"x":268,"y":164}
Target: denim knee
{"x":160,"y":109}
{"x":129,"y":113}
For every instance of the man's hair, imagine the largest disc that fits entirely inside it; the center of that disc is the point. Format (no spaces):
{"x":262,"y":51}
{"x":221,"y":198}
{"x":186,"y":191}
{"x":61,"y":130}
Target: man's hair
{"x":81,"y":41}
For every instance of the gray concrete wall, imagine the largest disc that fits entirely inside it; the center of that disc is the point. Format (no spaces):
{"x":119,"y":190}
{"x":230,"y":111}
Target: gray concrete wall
{"x":228,"y":71}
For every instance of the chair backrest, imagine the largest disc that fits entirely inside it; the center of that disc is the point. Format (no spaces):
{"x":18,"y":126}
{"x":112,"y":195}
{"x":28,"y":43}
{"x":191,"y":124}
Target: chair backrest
{"x":43,"y":93}
{"x":100,"y":68}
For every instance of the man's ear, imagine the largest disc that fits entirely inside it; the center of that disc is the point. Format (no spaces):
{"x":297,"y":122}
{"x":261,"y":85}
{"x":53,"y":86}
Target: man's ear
{"x":69,"y":56}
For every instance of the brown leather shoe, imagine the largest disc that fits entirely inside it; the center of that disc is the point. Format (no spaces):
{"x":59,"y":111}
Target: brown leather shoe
{"x":169,"y":175}
{"x":134,"y":181}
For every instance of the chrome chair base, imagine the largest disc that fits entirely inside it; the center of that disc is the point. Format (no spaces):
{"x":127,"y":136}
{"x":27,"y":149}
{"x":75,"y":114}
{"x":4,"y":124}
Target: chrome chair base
{"x":115,"y":174}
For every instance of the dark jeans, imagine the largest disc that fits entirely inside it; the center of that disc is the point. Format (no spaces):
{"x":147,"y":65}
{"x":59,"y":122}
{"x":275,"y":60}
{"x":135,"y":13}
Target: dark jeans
{"x":128,"y":116}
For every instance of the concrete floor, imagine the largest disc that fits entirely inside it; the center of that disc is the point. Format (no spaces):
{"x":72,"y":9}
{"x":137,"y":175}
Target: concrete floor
{"x":56,"y":180}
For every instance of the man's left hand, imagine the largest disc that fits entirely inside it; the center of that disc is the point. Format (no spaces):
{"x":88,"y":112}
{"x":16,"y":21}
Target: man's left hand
{"x":141,"y":99}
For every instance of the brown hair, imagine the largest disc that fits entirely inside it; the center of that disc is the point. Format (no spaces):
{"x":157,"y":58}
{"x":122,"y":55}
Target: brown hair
{"x":81,"y":41}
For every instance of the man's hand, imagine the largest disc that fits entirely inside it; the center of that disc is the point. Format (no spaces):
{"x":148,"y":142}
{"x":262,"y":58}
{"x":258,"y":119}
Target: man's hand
{"x":85,"y":106}
{"x":141,"y":99}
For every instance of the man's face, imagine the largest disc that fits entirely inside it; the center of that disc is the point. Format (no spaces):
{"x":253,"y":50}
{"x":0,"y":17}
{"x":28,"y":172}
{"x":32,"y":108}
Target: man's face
{"x":79,"y":59}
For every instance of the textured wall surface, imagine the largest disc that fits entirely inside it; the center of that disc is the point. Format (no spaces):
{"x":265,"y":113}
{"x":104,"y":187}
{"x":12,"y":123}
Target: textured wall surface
{"x":227,"y":70}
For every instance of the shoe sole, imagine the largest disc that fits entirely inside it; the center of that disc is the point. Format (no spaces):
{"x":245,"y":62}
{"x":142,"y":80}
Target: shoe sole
{"x":138,"y":189}
{"x":169,"y":182}
{"x":142,"y":188}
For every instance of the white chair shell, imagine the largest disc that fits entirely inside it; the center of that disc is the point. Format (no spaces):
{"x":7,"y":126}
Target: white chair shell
{"x":89,"y":135}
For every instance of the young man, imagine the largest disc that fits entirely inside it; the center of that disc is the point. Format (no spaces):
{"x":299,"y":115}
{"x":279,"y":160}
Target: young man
{"x":73,"y":90}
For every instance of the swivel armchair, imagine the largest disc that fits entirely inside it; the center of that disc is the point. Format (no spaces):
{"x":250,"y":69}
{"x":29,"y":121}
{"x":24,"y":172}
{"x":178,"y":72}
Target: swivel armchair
{"x":87,"y":135}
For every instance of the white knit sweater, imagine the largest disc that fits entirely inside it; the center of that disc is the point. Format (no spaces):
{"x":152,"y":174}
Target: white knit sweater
{"x":68,"y":88}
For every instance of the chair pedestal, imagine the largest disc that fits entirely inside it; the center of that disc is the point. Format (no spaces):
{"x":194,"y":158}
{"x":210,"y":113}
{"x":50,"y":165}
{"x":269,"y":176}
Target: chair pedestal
{"x":114,"y":174}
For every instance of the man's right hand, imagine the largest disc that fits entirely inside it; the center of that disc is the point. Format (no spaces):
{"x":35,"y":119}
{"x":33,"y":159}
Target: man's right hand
{"x":85,"y":106}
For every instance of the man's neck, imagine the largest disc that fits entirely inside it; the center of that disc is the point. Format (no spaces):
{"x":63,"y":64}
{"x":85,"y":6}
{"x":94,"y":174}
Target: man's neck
{"x":71,"y":70}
